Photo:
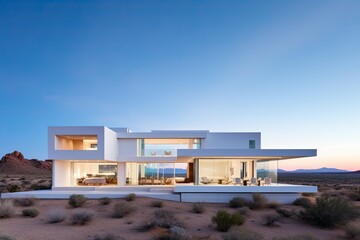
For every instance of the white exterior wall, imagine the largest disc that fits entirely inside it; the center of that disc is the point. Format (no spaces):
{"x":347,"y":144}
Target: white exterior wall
{"x":127,"y":149}
{"x":61,"y":174}
{"x":110,"y":145}
{"x":76,"y":154}
{"x":230,"y":140}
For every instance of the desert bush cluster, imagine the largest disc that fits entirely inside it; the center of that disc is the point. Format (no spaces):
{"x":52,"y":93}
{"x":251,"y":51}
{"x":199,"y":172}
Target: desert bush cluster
{"x":271,"y":219}
{"x":131,"y":197}
{"x":258,"y":201}
{"x":122,"y":209}
{"x":328,"y":212}
{"x":284,"y":212}
{"x":161,"y":218}
{"x":225,"y":220}
{"x":82,"y":217}
{"x":105,"y":201}
{"x":24,"y":202}
{"x":55,"y":215}
{"x":303,"y":201}
{"x":77,"y":200}
{"x":30,"y":212}
{"x":198,"y":208}
{"x":7,"y":208}
{"x":157,"y":203}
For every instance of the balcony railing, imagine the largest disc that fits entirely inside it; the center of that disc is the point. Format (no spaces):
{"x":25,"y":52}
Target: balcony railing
{"x":159,"y":153}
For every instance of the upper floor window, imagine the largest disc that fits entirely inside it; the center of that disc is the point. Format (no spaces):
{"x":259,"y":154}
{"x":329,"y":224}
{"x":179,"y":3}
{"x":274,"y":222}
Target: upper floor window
{"x":165,"y":147}
{"x":76,"y":142}
{"x":251,"y":143}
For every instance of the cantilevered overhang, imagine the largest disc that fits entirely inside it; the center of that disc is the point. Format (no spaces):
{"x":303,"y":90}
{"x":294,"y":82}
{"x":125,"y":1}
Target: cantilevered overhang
{"x":256,"y":154}
{"x":165,"y":134}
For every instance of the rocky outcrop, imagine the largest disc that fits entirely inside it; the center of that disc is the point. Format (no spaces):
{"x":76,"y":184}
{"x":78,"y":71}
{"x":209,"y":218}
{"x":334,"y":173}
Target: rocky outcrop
{"x":16,"y":163}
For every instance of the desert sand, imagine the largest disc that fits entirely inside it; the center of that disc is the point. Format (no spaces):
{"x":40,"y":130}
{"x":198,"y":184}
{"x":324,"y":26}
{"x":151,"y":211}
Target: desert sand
{"x":198,"y":225}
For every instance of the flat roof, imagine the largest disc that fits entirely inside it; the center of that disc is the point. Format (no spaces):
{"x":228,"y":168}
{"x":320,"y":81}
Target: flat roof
{"x":257,"y":154}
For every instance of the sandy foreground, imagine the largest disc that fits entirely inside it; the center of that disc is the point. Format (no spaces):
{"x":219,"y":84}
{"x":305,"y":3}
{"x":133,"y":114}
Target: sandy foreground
{"x":198,"y":225}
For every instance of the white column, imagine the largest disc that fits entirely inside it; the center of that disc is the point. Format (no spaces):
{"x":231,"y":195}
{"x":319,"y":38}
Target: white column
{"x":121,"y":174}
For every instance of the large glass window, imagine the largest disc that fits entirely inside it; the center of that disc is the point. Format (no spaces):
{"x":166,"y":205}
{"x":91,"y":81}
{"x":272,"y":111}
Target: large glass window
{"x":103,"y":173}
{"x":267,"y":169}
{"x":223,"y":171}
{"x":156,"y":173}
{"x":165,"y":147}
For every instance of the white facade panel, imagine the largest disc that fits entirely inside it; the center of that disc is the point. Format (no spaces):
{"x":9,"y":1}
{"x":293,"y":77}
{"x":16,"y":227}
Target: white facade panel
{"x":53,"y":153}
{"x":127,"y":149}
{"x":61,"y":174}
{"x":230,"y":140}
{"x":111,"y":148}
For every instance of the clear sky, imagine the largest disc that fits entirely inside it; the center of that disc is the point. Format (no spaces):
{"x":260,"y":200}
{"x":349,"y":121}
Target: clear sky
{"x":289,"y":69}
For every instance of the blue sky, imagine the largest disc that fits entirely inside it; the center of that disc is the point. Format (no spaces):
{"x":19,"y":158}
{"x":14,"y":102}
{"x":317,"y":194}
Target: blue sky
{"x":289,"y":69}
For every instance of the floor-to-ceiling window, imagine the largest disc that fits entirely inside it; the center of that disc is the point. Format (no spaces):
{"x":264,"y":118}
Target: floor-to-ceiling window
{"x":102,"y":173}
{"x":223,"y":171}
{"x":267,"y":169}
{"x":156,"y":173}
{"x":165,"y":147}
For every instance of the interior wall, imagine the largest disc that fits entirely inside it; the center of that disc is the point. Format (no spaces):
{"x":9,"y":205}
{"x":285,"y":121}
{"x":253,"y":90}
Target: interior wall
{"x":62,"y":143}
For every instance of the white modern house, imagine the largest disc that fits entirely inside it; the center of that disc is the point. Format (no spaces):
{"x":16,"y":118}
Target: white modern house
{"x":192,"y":166}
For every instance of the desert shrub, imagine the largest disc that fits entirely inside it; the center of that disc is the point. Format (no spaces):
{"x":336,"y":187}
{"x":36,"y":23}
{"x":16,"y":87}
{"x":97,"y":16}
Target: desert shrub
{"x":284,"y":212}
{"x":30,"y":212}
{"x":175,"y":233}
{"x":237,"y":218}
{"x":243,"y":211}
{"x":105,"y":201}
{"x":242,"y":234}
{"x":122,"y":209}
{"x":107,"y":236}
{"x":353,"y":195}
{"x":161,"y":218}
{"x":328,"y":212}
{"x":82,"y":217}
{"x":165,"y":219}
{"x":157,"y":203}
{"x":130,"y":197}
{"x":55,"y":215}
{"x":37,"y":186}
{"x":238,"y":202}
{"x":24,"y":202}
{"x":273,"y":205}
{"x":76,"y":200}
{"x":7,"y":208}
{"x":13,"y":188}
{"x":297,"y":237}
{"x":304,"y":202}
{"x":258,"y":201}
{"x":198,"y":208}
{"x":6,"y":237}
{"x":352,"y":231}
{"x":225,"y":220}
{"x":271,"y":219}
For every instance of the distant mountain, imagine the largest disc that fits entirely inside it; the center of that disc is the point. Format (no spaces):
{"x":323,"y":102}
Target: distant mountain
{"x":319,"y":170}
{"x":16,"y":163}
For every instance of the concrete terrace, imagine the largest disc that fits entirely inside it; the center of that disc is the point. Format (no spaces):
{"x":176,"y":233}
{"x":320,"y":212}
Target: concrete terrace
{"x":283,"y":193}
